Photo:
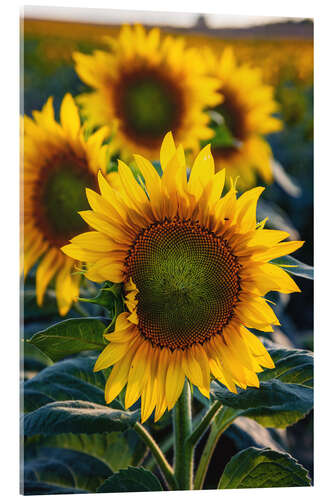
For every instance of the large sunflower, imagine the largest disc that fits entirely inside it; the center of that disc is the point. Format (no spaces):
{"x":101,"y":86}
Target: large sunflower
{"x":147,"y":86}
{"x":247,"y":108}
{"x":58,"y":164}
{"x":195,"y":268}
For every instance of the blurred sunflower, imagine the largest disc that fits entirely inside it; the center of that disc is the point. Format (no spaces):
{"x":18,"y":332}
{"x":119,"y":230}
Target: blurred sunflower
{"x":147,"y":86}
{"x":58,"y":164}
{"x":246,"y":110}
{"x":195,"y":268}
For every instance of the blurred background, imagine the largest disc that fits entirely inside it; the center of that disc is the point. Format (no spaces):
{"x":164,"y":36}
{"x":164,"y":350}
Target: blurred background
{"x":283,"y":49}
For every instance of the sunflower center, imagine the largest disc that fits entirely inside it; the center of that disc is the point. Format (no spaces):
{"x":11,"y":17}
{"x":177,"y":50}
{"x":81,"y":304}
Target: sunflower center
{"x":188,"y":282}
{"x":59,"y":195}
{"x":149,"y":105}
{"x":234,"y":118}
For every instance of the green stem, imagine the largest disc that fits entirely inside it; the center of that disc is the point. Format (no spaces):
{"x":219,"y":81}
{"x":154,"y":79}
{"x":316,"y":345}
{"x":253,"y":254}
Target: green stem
{"x":156,"y":451}
{"x":167,"y":443}
{"x":182,"y":428}
{"x":204,"y":423}
{"x":224,"y":418}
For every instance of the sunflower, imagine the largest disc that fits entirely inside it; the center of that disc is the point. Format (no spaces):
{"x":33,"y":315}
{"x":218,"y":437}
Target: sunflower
{"x":246,"y":110}
{"x":147,"y":86}
{"x":58,"y":164}
{"x":194,"y":267}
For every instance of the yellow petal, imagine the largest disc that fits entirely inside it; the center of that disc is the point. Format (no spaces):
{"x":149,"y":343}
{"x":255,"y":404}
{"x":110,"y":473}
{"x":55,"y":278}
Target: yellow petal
{"x":137,"y":375}
{"x":163,"y":363}
{"x":69,"y":116}
{"x":32,"y":254}
{"x":256,"y":310}
{"x":267,"y":237}
{"x":84,"y":255}
{"x":174,"y":175}
{"x":66,"y":287}
{"x":50,"y":264}
{"x":106,"y":269}
{"x":168,"y":149}
{"x":152,"y":179}
{"x":257,"y":348}
{"x":202,"y":171}
{"x":111,"y":354}
{"x":149,"y":393}
{"x":135,"y":194}
{"x":93,"y":240}
{"x":192,"y":368}
{"x":246,"y":209}
{"x":118,"y":376}
{"x":270,"y":277}
{"x":102,"y":224}
{"x":284,"y":248}
{"x":175,"y":379}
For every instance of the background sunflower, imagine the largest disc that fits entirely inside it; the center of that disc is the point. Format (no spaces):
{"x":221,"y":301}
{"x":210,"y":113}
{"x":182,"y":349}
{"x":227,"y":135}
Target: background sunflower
{"x":58,"y":163}
{"x":248,"y":113}
{"x":147,"y":84}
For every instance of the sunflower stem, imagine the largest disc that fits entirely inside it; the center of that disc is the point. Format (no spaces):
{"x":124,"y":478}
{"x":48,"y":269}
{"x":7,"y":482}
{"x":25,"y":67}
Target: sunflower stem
{"x":182,"y":428}
{"x":158,"y":454}
{"x":203,"y":425}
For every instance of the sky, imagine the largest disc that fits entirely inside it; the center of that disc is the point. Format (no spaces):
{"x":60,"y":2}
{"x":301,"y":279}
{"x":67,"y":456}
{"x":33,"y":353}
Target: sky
{"x":111,"y":16}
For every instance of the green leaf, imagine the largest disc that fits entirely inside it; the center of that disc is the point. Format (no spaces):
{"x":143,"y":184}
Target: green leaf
{"x":70,"y":337}
{"x":263,"y":468}
{"x":131,"y":480}
{"x":77,"y":417}
{"x":245,"y":432}
{"x":294,"y":266}
{"x":285,"y":394}
{"x":33,"y":361}
{"x":40,"y":488}
{"x":116,"y":449}
{"x":66,"y":380}
{"x":65,"y":468}
{"x":34,"y":358}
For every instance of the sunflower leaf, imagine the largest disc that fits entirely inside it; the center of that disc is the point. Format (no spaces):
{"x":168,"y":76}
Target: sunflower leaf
{"x":245,"y":432}
{"x":294,"y":266}
{"x":116,"y":449}
{"x":65,"y":468}
{"x":70,"y":337}
{"x":285,"y":394}
{"x":76,"y":417}
{"x":66,"y":380}
{"x":131,"y":480}
{"x":43,"y":488}
{"x":263,"y":468}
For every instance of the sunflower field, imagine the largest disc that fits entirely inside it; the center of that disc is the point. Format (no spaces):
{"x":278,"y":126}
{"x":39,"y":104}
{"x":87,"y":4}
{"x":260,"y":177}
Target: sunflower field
{"x":167,"y":338}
